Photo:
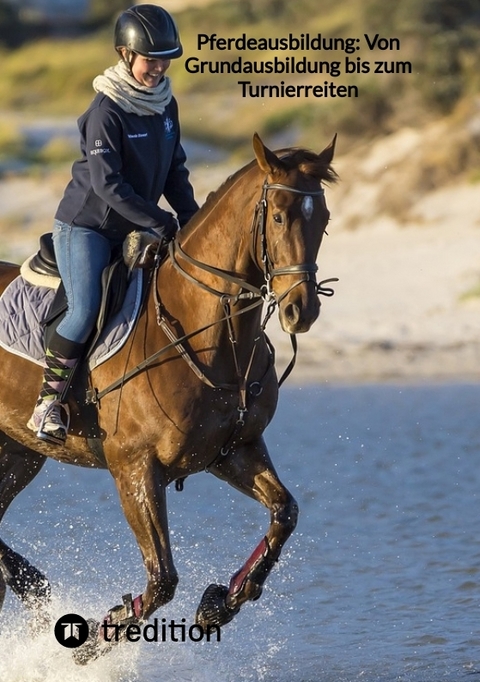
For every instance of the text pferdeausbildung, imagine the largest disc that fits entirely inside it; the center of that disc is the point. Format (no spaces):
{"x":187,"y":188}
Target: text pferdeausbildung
{"x":303,"y":42}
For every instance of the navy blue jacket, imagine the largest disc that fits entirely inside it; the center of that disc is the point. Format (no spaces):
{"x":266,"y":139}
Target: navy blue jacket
{"x":128,"y":162}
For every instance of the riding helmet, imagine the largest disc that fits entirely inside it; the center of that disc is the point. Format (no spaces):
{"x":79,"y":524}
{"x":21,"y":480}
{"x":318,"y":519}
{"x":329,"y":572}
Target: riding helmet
{"x":148,"y":30}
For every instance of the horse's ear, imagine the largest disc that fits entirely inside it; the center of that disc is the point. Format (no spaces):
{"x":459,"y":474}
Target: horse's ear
{"x":266,"y":159}
{"x":326,"y":156}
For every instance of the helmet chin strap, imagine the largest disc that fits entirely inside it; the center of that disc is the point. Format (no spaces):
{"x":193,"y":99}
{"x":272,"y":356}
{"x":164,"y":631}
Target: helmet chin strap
{"x":127,"y":58}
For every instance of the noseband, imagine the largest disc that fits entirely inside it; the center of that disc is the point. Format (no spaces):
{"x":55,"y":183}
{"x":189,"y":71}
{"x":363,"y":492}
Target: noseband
{"x":259,"y":231}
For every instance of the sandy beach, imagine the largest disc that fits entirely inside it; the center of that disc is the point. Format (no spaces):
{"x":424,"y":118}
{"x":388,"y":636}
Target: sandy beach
{"x":407,"y":303}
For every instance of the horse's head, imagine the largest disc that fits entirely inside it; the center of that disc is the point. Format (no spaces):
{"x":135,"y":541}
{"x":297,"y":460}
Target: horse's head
{"x":291,"y":220}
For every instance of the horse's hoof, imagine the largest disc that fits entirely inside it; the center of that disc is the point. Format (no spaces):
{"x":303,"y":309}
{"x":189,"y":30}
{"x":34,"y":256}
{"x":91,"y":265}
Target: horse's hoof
{"x":213,"y":609}
{"x":94,"y":647}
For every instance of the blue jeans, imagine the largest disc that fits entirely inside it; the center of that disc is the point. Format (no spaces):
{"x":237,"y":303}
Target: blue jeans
{"x":82,"y":255}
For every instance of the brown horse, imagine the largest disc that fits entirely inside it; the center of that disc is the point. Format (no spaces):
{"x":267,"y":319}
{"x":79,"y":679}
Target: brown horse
{"x":255,"y":239}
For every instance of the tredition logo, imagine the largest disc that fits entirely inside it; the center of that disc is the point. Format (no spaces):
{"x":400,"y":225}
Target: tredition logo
{"x":71,"y":631}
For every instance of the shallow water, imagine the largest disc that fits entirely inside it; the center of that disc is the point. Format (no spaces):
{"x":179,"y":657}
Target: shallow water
{"x":381,"y":580}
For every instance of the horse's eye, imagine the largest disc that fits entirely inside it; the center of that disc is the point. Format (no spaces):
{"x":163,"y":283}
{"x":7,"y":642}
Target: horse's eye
{"x":278,"y":218}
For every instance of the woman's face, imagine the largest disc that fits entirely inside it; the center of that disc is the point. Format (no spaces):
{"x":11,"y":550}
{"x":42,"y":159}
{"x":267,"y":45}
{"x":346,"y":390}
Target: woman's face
{"x":149,"y":72}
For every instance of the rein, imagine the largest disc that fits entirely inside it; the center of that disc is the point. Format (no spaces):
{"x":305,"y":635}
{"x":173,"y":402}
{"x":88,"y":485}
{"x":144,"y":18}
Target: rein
{"x":247,"y":292}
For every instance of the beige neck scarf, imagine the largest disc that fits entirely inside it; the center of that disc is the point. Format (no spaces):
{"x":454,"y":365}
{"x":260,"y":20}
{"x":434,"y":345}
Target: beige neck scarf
{"x":118,"y":84}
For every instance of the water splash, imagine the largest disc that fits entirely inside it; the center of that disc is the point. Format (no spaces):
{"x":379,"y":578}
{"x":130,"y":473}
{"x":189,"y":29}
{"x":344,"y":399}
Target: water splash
{"x":27,"y":656}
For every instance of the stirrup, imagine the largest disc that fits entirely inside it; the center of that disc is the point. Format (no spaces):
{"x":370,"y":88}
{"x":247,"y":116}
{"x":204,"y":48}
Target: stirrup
{"x":59,"y":436}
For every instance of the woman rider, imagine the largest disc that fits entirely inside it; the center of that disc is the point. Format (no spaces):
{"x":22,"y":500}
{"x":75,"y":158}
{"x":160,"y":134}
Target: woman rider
{"x":131,"y":156}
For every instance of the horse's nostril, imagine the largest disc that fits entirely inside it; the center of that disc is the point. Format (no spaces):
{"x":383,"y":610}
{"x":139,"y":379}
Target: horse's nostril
{"x":292,"y":313}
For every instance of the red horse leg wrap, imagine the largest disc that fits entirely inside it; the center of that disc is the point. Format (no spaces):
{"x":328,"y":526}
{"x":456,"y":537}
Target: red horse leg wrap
{"x":137,"y":605}
{"x":250,"y":568}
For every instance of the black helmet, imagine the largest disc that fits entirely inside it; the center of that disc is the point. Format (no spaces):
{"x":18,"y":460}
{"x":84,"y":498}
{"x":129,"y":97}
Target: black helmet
{"x":148,"y":30}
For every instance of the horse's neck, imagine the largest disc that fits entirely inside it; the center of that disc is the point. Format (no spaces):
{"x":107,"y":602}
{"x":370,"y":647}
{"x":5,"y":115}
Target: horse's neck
{"x":219,"y":237}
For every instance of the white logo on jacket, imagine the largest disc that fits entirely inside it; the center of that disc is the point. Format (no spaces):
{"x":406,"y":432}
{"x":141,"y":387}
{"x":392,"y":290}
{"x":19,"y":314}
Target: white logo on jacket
{"x":105,"y":150}
{"x":100,"y":149}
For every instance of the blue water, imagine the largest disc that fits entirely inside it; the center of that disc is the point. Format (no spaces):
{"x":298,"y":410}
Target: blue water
{"x":380,"y":582}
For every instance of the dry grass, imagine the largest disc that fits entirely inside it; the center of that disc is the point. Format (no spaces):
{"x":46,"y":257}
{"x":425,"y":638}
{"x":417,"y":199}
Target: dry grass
{"x":54,"y":76}
{"x":12,"y":141}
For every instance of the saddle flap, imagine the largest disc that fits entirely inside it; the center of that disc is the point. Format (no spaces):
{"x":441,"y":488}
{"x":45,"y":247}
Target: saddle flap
{"x":114,"y":287}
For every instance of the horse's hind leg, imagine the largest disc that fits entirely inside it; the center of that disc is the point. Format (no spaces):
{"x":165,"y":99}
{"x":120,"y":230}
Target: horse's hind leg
{"x":250,"y":470}
{"x":18,"y":467}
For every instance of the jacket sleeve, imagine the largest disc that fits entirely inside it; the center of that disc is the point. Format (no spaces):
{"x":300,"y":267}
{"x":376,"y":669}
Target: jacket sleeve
{"x":103,"y":145}
{"x":178,"y":191}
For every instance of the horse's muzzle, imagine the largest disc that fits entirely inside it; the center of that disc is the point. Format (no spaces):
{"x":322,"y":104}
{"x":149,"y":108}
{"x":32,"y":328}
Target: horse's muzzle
{"x":298,"y":311}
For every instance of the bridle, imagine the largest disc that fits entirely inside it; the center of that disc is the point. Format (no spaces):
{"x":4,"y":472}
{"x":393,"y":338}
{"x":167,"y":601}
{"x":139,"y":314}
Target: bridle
{"x":259,"y":231}
{"x":247,"y":291}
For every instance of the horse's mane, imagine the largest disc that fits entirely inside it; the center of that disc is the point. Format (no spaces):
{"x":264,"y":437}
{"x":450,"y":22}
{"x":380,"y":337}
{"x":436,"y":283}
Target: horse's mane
{"x":306,"y":161}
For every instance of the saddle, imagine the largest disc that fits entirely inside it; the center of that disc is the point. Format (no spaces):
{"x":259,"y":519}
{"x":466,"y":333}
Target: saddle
{"x":44,"y":261}
{"x":114,"y":285}
{"x":137,"y":251}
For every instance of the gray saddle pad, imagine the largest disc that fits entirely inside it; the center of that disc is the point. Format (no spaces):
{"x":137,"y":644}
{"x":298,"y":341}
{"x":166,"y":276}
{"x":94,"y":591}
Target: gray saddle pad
{"x":24,"y":307}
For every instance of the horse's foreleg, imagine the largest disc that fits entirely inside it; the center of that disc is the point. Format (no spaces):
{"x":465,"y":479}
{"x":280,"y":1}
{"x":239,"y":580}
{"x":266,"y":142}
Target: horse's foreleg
{"x":250,"y":470}
{"x":18,"y":468}
{"x":143,"y":498}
